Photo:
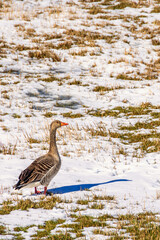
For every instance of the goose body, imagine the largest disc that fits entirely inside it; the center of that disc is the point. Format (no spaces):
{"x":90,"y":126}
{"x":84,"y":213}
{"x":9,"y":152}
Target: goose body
{"x":44,"y":168}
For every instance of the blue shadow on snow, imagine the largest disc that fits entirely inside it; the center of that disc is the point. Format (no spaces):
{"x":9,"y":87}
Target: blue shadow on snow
{"x":81,"y":187}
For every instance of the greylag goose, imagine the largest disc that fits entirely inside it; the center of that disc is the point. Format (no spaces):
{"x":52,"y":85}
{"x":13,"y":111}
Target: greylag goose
{"x":43,"y":169}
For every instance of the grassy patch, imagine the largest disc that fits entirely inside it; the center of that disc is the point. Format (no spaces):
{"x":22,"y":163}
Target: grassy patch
{"x":72,"y":115}
{"x":2,"y":230}
{"x":155,"y":114}
{"x":97,"y":206}
{"x":148,"y":142}
{"x":155,"y":42}
{"x":95,"y":10}
{"x":49,"y":114}
{"x":140,"y":125}
{"x":47,"y":203}
{"x":143,"y":109}
{"x":105,"y":197}
{"x":50,"y":79}
{"x":82,"y":52}
{"x":47,"y":227}
{"x":124,"y":76}
{"x":15,"y":115}
{"x":103,"y":113}
{"x":106,"y":89}
{"x":123,"y":4}
{"x":86,"y":38}
{"x":23,"y":229}
{"x":75,"y":82}
{"x":18,"y":236}
{"x":99,"y":130}
{"x":82,"y":222}
{"x":141,"y":226}
{"x":41,"y":54}
{"x":83,"y":201}
{"x":156,"y":9}
{"x":10,"y":149}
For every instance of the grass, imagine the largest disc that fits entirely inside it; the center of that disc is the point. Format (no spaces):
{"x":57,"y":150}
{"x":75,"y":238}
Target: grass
{"x":156,"y":9}
{"x":2,"y":230}
{"x":140,"y":125}
{"x":46,"y":228}
{"x":143,"y":109}
{"x":23,"y":229}
{"x":9,"y":150}
{"x":83,"y":201}
{"x":41,"y":54}
{"x":155,"y":42}
{"x":106,"y":89}
{"x":86,"y":38}
{"x":95,"y":10}
{"x":15,"y":115}
{"x":47,"y":203}
{"x":105,"y":197}
{"x":137,"y":226}
{"x":50,"y":79}
{"x":148,"y":142}
{"x":96,"y":24}
{"x":49,"y":114}
{"x":99,"y":130}
{"x":123,"y":4}
{"x":124,"y":76}
{"x":72,"y":115}
{"x":97,"y":206}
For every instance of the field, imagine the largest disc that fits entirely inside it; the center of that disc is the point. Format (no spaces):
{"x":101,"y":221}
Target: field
{"x":96,"y":66}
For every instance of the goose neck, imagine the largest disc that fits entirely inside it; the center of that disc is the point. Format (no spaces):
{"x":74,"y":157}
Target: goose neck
{"x":53,"y":145}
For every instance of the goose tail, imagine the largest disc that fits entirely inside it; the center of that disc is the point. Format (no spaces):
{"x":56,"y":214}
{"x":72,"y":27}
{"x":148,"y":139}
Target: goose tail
{"x":18,"y":186}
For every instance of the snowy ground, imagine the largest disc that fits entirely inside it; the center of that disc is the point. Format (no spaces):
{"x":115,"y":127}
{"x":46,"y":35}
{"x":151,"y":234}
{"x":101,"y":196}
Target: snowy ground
{"x":95,"y":65}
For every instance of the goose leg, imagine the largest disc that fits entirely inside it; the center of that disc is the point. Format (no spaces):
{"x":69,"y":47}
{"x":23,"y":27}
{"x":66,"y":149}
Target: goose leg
{"x":45,"y":190}
{"x":36,"y":191}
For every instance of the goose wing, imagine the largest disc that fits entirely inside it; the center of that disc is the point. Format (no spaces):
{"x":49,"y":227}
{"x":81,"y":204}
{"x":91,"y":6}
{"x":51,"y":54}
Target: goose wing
{"x":36,"y":171}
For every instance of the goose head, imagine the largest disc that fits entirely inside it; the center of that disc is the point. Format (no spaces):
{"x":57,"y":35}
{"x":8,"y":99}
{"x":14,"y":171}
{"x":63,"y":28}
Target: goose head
{"x":56,"y":124}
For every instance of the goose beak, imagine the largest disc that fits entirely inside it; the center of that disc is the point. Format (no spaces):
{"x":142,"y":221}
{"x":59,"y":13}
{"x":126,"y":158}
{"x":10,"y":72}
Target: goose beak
{"x":63,"y":124}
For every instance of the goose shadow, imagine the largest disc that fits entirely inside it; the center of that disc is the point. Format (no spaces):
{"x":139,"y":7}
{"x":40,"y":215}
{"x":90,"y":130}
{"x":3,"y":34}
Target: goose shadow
{"x":81,"y":187}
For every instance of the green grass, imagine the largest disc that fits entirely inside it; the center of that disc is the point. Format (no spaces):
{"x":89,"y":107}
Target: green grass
{"x":83,"y":201}
{"x":47,"y":227}
{"x":23,"y":229}
{"x":140,"y":125}
{"x":105,"y":197}
{"x":49,"y":114}
{"x":155,"y":114}
{"x":72,"y":115}
{"x":148,"y":142}
{"x":60,"y":236}
{"x":15,"y":115}
{"x":97,"y":206}
{"x":106,"y":89}
{"x":138,"y":226}
{"x":99,"y":130}
{"x":47,"y":203}
{"x":143,"y":109}
{"x":2,"y":230}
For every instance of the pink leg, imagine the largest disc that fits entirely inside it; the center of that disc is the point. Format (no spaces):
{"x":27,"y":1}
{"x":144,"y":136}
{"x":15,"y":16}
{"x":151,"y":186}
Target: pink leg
{"x":36,"y":191}
{"x":45,"y":190}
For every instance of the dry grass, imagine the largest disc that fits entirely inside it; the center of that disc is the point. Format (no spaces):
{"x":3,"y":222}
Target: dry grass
{"x":40,"y":54}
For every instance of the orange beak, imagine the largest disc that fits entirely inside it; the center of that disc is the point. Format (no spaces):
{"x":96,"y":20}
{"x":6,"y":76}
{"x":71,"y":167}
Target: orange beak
{"x":63,"y":124}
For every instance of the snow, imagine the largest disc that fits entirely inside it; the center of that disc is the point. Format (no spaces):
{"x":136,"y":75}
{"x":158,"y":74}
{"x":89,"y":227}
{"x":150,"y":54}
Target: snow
{"x":87,"y":162}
